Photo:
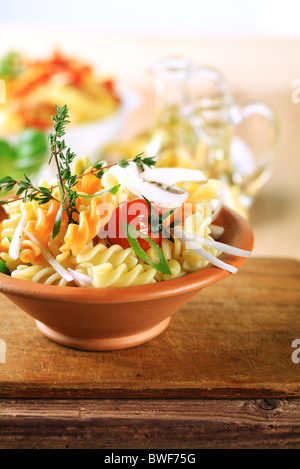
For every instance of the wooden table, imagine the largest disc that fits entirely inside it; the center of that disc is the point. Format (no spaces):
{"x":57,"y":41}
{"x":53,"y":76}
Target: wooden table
{"x":220,"y":376}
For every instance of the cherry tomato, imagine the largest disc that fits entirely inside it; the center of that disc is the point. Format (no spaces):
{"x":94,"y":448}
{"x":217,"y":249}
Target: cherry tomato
{"x":135,"y":212}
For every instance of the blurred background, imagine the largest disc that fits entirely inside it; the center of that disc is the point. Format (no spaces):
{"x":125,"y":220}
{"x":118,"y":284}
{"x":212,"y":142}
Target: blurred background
{"x":255,"y":45}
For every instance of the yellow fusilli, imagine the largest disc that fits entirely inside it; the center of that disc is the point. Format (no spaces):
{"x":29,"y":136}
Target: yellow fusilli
{"x":79,"y":246}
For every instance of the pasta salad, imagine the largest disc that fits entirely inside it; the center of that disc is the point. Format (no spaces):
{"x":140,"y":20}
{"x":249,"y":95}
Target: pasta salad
{"x":115,"y":225}
{"x":33,"y":87}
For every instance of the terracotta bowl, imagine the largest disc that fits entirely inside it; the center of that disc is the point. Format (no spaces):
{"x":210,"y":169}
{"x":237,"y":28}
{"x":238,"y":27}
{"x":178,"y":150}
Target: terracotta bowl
{"x":120,"y":317}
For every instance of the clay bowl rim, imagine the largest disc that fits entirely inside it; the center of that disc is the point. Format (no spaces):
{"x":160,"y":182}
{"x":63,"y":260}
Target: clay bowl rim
{"x":187,"y":283}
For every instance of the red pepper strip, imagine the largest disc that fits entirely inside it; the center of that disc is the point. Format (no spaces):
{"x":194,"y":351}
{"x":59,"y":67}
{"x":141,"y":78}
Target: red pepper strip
{"x":39,"y":80}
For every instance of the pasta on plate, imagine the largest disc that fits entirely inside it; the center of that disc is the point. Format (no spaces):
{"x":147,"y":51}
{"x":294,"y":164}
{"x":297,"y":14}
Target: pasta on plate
{"x":86,"y":251}
{"x":34,"y":87}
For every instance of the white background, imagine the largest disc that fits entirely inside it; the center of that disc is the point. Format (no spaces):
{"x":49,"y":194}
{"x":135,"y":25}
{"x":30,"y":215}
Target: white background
{"x":123,"y":37}
{"x":163,"y":17}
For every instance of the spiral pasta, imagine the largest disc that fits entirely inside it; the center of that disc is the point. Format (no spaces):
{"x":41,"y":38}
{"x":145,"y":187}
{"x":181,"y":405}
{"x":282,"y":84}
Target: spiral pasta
{"x":8,"y":227}
{"x":198,"y":225}
{"x":108,"y":180}
{"x":173,"y":254}
{"x":105,"y":275}
{"x":84,"y":248}
{"x":43,"y":273}
{"x":112,"y":266}
{"x":39,"y":274}
{"x":100,"y":254}
{"x":90,"y":223}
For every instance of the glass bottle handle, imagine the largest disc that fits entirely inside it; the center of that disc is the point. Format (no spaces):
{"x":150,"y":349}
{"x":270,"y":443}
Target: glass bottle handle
{"x":201,"y":72}
{"x":262,"y":170}
{"x":197,"y":73}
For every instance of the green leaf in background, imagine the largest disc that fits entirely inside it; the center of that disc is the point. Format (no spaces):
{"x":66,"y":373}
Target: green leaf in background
{"x":7,"y":158}
{"x":3,"y":268}
{"x":7,"y":151}
{"x":26,"y":155}
{"x":31,"y":144}
{"x":162,"y":264}
{"x":11,"y":65}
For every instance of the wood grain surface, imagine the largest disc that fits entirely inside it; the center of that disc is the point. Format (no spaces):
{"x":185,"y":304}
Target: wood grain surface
{"x":233,"y":340}
{"x":150,"y":423}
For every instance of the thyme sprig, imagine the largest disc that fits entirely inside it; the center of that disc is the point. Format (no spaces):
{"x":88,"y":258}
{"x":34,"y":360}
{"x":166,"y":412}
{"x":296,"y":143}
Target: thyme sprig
{"x":44,"y":195}
{"x":66,"y":181}
{"x":25,"y":187}
{"x":99,"y":167}
{"x":63,"y":159}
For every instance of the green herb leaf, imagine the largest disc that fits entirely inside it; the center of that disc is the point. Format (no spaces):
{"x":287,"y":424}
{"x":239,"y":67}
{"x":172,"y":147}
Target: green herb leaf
{"x":57,"y":223}
{"x":166,"y":214}
{"x":63,"y":157}
{"x":11,"y":65}
{"x":6,"y":180}
{"x":123,"y":163}
{"x":141,"y":162}
{"x":162,"y":264}
{"x":113,"y":190}
{"x":3,"y":268}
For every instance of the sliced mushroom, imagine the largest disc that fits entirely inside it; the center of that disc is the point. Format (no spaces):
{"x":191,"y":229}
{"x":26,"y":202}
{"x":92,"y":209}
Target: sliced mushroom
{"x":158,"y":184}
{"x":156,"y":192}
{"x":173,"y":175}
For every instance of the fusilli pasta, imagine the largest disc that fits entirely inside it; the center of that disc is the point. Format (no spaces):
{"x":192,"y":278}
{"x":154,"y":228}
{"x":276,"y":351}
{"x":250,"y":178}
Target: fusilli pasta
{"x":80,"y":246}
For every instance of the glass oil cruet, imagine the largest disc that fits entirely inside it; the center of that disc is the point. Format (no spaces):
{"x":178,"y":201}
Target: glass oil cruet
{"x":226,"y":156}
{"x":174,"y":139}
{"x":197,"y":126}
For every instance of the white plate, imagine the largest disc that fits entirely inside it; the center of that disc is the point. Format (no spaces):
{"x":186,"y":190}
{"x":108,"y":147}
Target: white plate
{"x":88,"y":139}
